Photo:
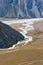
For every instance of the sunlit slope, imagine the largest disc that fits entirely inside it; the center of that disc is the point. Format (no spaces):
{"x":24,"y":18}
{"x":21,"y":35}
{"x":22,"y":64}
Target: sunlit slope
{"x":23,"y":56}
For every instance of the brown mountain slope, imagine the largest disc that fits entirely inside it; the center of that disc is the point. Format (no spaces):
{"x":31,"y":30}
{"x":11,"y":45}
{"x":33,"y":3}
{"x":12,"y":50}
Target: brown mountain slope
{"x":28,"y":55}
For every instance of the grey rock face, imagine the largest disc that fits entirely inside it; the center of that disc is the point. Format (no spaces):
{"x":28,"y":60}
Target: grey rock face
{"x":21,"y":8}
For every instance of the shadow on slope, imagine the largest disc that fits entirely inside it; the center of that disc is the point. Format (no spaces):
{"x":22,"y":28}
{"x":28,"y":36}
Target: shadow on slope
{"x":9,"y":36}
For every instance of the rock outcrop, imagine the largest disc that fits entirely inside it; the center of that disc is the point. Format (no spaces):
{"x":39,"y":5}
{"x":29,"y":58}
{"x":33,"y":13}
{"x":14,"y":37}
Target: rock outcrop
{"x":9,"y":36}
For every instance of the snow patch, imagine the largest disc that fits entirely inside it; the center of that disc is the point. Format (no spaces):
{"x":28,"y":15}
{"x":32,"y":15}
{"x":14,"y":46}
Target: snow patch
{"x":15,"y":21}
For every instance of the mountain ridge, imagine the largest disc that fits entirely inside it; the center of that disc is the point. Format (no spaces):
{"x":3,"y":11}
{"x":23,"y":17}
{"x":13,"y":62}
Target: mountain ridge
{"x":21,"y":9}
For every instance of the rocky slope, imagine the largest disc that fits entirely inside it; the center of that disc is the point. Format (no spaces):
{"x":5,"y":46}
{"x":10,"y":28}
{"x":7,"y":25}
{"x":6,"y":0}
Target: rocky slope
{"x":21,"y":8}
{"x":8,"y":36}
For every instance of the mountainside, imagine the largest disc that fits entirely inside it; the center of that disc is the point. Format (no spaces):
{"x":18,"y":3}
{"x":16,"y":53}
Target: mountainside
{"x":8,"y":36}
{"x":21,"y":8}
